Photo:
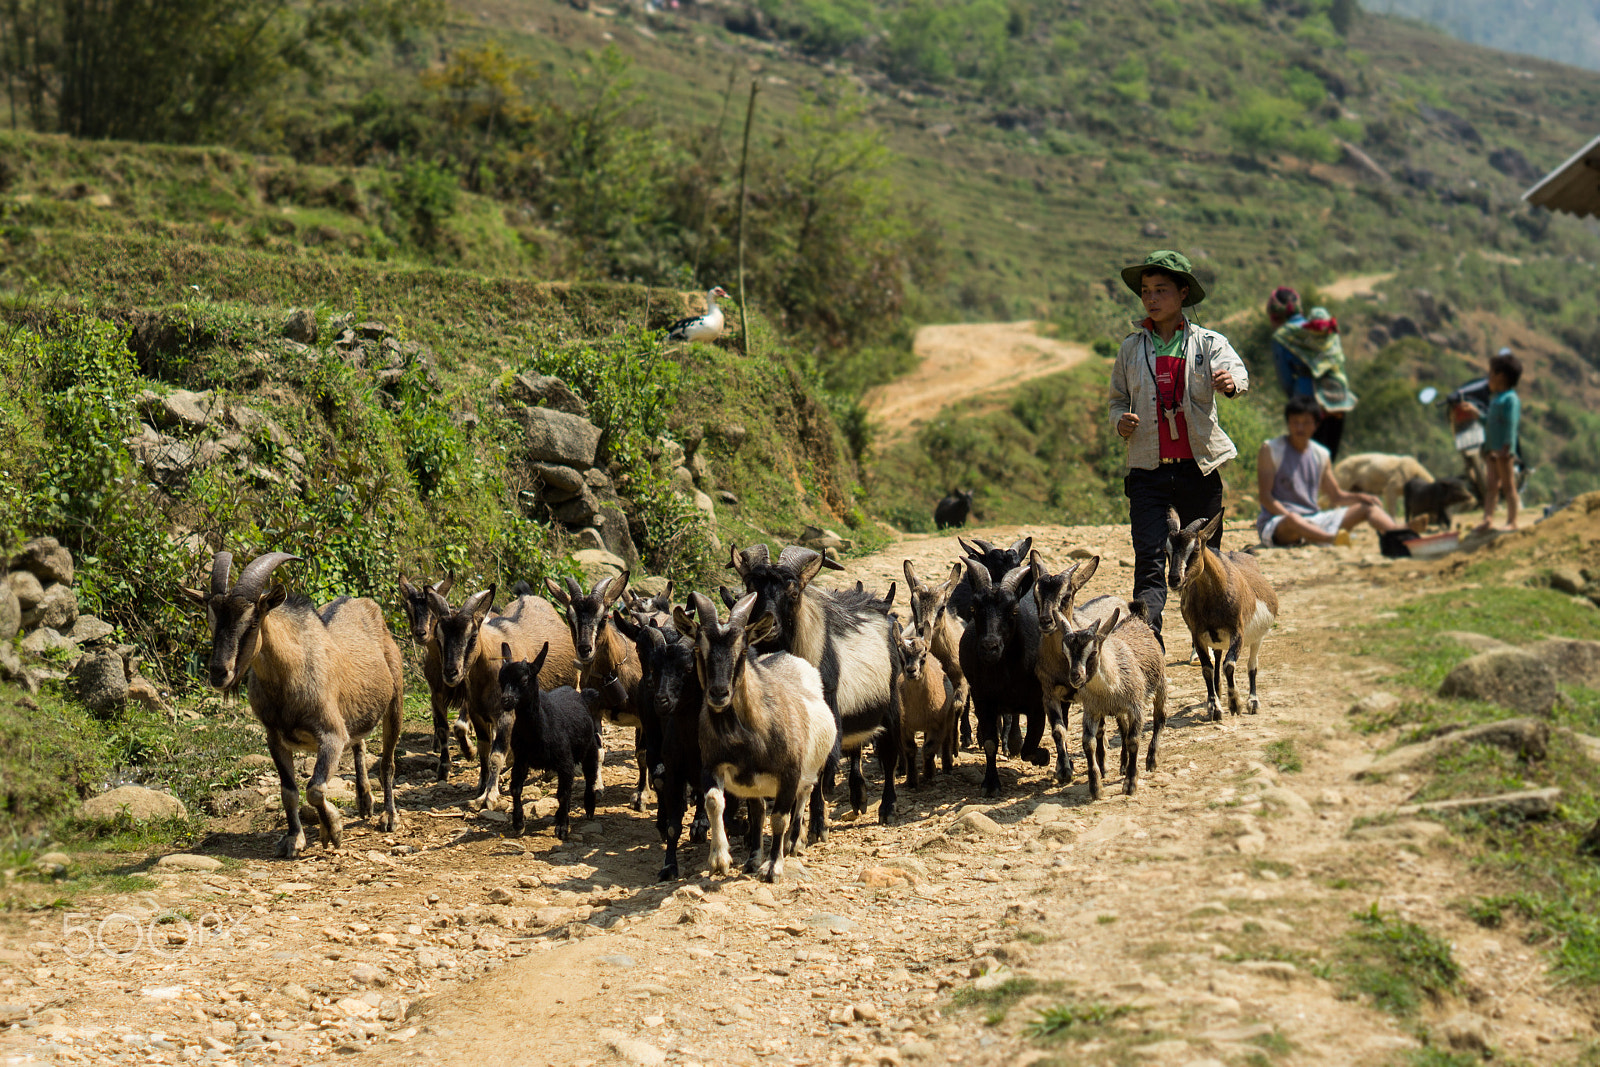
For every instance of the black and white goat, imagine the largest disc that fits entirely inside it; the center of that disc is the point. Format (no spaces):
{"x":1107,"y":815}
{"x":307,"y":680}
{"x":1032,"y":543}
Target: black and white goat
{"x":851,"y":641}
{"x":765,"y":730}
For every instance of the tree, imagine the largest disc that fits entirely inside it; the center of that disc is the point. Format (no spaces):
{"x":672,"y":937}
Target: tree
{"x":1343,"y":14}
{"x":179,"y":70}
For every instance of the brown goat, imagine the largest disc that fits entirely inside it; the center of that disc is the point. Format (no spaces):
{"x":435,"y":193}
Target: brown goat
{"x":938,"y":625}
{"x":420,"y":618}
{"x":321,"y":679}
{"x":1228,"y":605}
{"x":470,"y":646}
{"x":607,"y":661}
{"x":927,"y":706}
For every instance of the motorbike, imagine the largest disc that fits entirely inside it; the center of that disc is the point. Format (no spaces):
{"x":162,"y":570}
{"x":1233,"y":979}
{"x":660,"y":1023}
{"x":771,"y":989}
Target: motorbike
{"x":1467,"y":407}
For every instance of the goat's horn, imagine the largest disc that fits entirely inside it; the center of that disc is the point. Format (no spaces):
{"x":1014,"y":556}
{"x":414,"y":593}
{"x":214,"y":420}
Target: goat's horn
{"x":255,"y":575}
{"x":221,"y":565}
{"x":795,"y":558}
{"x":704,"y":608}
{"x":978,"y":576}
{"x":757,"y":555}
{"x":657,"y":638}
{"x":1014,"y":578}
{"x":573,"y":588}
{"x":740,"y":615}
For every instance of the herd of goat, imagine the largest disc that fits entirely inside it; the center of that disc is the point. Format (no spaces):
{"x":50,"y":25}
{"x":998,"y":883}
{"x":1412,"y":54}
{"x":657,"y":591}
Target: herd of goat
{"x":759,"y":704}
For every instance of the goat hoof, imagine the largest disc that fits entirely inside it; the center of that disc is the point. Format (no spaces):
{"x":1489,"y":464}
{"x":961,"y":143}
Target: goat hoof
{"x":886,"y":815}
{"x":1039,"y":758}
{"x":668,"y":873}
{"x":290,"y":847}
{"x":697,"y":833}
{"x":388,"y":822}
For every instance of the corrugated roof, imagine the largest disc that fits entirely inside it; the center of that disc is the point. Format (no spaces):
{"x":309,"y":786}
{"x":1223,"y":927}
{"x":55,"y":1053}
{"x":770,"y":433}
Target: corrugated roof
{"x":1574,"y":186}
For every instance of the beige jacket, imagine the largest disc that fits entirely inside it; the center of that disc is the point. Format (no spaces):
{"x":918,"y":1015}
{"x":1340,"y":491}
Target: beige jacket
{"x":1133,"y":388}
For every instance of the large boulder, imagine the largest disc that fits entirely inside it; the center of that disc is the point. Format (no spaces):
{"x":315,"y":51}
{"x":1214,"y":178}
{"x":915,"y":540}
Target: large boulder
{"x":141,"y":804}
{"x":614,"y":532}
{"x":301,"y":326}
{"x":541,"y":389}
{"x":597,"y":564}
{"x":57,"y":609}
{"x":560,"y":483}
{"x":557,"y":437}
{"x":100,"y":681}
{"x":46,"y":560}
{"x":26,"y":587}
{"x":10,"y":612}
{"x":1511,"y":677}
{"x":1574,"y":662}
{"x":177,"y":410}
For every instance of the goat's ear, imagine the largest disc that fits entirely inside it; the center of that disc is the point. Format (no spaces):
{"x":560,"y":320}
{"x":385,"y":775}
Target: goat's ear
{"x":538,"y":661}
{"x":889,"y":600}
{"x":1021,"y":546}
{"x":685,"y":622}
{"x":761,"y":629}
{"x":443,"y":584}
{"x":971,"y":551}
{"x":1174,"y":524}
{"x":1110,"y":624}
{"x":274,"y":598}
{"x":478,"y":606}
{"x":1211,"y":527}
{"x":665,"y":599}
{"x":557,"y":592}
{"x":407,"y":590}
{"x":438,"y":603}
{"x":194,"y":594}
{"x":727,"y":595}
{"x":630,"y":629}
{"x":1082,"y":573}
{"x":957,"y":569}
{"x":505,"y":652}
{"x":618,"y":585}
{"x":736,"y":560}
{"x":911,"y":575}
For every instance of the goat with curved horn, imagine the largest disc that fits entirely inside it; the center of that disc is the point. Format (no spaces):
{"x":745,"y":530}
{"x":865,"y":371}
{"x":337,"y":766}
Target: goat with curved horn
{"x":319,"y":679}
{"x":422,"y":618}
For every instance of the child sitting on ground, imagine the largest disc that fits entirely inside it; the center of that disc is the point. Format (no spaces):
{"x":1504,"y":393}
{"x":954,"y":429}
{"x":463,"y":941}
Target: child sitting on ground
{"x":1500,"y":425}
{"x":1290,"y":471}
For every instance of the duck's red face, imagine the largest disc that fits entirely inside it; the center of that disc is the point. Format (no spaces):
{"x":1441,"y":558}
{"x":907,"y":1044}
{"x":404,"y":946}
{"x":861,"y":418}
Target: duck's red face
{"x":719,"y":291}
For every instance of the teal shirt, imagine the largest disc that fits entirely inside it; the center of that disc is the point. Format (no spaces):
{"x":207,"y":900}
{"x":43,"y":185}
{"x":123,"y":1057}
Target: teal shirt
{"x":1500,"y":423}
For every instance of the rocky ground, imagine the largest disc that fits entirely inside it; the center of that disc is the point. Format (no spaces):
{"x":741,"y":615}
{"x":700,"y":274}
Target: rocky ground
{"x":1194,"y":913}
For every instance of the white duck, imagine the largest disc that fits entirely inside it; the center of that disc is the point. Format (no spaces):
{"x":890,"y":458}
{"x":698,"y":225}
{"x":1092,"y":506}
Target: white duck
{"x":707,"y":327}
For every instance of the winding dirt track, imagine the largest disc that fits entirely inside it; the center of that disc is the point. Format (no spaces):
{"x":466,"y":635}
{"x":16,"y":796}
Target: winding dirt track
{"x":965,"y":360}
{"x":1202,"y":904}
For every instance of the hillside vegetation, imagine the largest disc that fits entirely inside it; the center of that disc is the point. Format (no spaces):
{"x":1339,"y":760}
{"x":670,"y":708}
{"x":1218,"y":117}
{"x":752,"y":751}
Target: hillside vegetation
{"x":526,"y":186}
{"x":1562,"y":30}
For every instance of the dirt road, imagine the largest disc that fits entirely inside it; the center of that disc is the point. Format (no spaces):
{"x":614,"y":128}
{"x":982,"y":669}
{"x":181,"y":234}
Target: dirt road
{"x":1199,"y":907}
{"x":965,"y":360}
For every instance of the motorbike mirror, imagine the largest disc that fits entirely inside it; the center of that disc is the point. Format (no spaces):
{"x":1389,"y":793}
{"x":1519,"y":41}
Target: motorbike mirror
{"x":1428,"y":395}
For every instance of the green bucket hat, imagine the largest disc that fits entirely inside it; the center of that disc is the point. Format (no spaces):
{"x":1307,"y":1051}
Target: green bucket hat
{"x":1174,"y":263}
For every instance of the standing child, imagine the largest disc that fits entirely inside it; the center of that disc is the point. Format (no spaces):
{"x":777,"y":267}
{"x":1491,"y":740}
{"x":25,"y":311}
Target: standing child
{"x":1500,"y":440}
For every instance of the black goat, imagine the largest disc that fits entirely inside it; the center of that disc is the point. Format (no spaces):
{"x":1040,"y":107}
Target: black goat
{"x":420,"y":618}
{"x":850,"y":639}
{"x":1435,"y":499}
{"x":552,"y":731}
{"x":993,"y":662}
{"x":953,"y":509}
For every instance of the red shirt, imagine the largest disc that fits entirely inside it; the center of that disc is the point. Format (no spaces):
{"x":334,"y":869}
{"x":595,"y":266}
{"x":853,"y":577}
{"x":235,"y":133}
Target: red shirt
{"x":1169,"y":400}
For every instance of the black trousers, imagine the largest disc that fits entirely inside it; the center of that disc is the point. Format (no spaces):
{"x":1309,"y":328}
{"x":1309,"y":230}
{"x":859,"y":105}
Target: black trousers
{"x":1328,"y":434}
{"x":1150,"y":493}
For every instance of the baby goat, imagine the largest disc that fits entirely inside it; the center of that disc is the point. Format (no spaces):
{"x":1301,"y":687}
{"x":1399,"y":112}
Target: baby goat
{"x":1228,"y":605}
{"x":1116,"y":668}
{"x":552,"y":731}
{"x":927,"y":706}
{"x":939,"y":626}
{"x":607,"y":661}
{"x":765,"y":729}
{"x":420,"y":618}
{"x":470,"y":646}
{"x":320,"y":679}
{"x":992,"y":658}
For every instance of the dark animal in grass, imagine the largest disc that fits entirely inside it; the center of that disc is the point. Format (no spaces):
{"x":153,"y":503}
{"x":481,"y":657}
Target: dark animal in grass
{"x":953,"y":510}
{"x":993,"y":662}
{"x":848,"y":637}
{"x":1434,"y":500}
{"x":443,"y":698}
{"x":551,"y":731}
{"x":320,"y":679}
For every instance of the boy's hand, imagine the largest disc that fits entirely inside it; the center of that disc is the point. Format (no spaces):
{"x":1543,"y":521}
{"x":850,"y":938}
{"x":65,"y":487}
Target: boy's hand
{"x":1127,"y":424}
{"x":1222,"y":380}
